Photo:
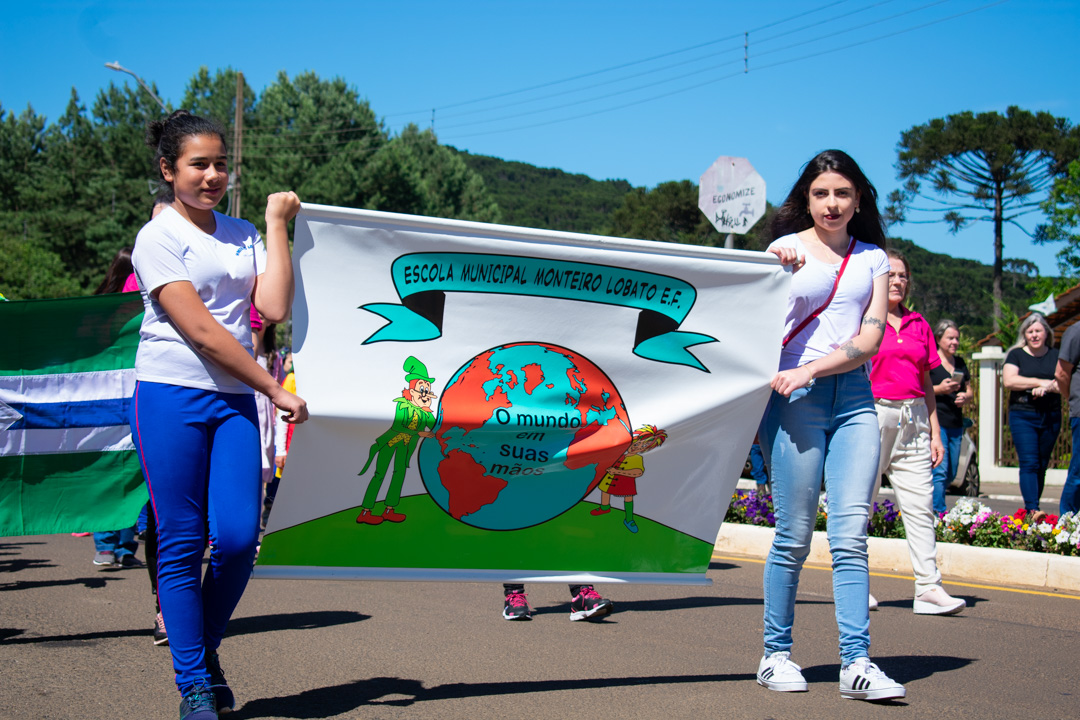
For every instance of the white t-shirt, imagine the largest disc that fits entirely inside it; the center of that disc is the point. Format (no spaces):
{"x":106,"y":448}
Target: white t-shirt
{"x":810,"y":287}
{"x":222,"y":267}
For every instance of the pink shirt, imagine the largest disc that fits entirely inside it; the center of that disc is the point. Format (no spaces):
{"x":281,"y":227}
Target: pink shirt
{"x":131,"y":284}
{"x":897,"y":369}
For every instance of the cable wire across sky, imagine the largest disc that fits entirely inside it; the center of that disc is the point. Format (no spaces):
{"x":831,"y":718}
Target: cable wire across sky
{"x":743,"y":45}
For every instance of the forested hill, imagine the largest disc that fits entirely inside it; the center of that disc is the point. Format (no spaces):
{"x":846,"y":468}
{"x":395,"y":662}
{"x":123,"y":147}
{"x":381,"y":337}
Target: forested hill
{"x":549,"y":198}
{"x":530,"y":196}
{"x":75,"y":191}
{"x":948,"y":287}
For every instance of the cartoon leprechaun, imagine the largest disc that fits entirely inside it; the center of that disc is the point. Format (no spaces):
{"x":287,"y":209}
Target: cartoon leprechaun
{"x":412,"y":420}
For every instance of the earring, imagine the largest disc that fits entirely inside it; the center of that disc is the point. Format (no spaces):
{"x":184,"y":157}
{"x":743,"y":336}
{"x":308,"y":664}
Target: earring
{"x":856,"y":208}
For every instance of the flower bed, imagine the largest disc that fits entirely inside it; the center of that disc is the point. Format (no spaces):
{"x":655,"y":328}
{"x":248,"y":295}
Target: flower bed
{"x":968,"y":523}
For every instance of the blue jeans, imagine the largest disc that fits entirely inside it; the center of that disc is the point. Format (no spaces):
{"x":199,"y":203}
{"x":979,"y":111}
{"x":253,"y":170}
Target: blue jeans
{"x":199,"y":452}
{"x":830,"y":429}
{"x":757,"y":465}
{"x":951,"y":439}
{"x":1033,"y":434}
{"x":1070,"y":494}
{"x":118,"y":542}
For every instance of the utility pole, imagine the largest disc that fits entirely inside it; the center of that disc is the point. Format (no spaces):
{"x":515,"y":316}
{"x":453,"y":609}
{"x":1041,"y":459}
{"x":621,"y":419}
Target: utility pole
{"x":238,"y":139}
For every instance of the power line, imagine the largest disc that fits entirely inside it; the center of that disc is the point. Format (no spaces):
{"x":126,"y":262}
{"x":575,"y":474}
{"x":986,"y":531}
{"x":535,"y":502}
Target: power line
{"x":274,"y":130}
{"x":340,"y":133}
{"x":617,"y":67}
{"x":684,"y":76}
{"x":726,"y":77}
{"x":735,"y":48}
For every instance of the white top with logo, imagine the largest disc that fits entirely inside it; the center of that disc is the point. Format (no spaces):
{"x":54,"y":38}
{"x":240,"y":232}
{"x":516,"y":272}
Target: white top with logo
{"x":222,"y":267}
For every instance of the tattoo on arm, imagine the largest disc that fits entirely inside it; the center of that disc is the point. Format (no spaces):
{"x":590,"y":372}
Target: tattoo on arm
{"x":876,"y":322}
{"x":851,"y":351}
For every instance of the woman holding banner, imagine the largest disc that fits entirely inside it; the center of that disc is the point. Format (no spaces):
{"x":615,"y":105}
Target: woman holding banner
{"x":193,"y":416}
{"x":820,"y":421}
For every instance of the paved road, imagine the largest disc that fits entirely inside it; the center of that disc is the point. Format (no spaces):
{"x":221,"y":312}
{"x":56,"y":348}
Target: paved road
{"x":75,"y":643}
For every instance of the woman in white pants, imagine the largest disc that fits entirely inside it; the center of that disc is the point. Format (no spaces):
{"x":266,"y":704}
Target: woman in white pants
{"x":910,"y":437}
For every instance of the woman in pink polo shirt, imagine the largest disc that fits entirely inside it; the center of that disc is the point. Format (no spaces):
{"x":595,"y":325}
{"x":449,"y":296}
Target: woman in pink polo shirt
{"x":910,"y":437}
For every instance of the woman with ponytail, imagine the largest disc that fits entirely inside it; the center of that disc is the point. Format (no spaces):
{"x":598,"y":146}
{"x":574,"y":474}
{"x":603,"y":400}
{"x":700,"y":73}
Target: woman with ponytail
{"x":193,"y":415}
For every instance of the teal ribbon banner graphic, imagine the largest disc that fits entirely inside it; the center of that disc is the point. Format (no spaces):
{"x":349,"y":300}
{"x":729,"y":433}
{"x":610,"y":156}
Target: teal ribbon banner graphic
{"x":423,"y":279}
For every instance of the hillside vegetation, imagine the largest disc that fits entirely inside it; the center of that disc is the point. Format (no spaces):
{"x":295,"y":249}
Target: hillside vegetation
{"x":76,"y":190}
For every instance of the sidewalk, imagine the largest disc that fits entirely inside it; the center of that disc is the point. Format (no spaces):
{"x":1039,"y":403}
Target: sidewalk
{"x":962,"y":562}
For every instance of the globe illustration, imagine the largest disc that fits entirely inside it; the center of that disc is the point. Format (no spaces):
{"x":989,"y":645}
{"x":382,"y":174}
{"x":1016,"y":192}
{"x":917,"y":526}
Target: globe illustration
{"x":524,"y":432}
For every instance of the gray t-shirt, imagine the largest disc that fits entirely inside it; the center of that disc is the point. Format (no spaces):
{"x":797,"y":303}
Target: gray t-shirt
{"x":1070,"y":353}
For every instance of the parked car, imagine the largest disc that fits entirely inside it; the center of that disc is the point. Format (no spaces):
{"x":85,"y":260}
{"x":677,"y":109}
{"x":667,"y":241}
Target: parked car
{"x":966,"y":481}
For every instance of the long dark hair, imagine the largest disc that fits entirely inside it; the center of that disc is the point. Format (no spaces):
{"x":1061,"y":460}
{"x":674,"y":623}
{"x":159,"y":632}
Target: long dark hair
{"x":117,"y":274}
{"x":166,"y":138}
{"x":792,"y":215}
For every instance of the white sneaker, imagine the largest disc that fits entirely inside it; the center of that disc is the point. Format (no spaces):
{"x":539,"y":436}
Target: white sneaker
{"x":873,"y":603}
{"x":936,"y":601}
{"x":777,"y":672}
{"x":863,"y":680}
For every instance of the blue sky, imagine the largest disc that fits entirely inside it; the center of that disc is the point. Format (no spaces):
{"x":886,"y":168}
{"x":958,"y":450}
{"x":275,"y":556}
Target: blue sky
{"x":851,"y":74}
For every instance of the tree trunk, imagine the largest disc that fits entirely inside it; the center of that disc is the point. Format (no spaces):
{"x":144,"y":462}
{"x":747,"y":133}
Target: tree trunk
{"x":998,"y":263}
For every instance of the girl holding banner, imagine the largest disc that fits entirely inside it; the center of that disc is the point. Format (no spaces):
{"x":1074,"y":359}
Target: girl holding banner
{"x":193,"y":416}
{"x":820,"y":421}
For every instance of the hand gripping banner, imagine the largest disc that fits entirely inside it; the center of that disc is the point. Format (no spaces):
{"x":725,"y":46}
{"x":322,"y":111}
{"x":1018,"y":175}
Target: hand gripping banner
{"x":491,"y":403}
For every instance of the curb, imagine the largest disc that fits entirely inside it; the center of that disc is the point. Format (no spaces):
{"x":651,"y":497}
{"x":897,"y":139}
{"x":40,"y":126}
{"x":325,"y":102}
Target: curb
{"x":991,"y":565}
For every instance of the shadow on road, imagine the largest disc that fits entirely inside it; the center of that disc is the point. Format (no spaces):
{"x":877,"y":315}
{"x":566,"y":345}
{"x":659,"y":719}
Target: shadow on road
{"x":292,"y":621}
{"x":93,"y":583}
{"x":339,"y":699}
{"x":902,"y":668}
{"x":905,"y":604}
{"x":238,"y":626}
{"x":20,"y":564}
{"x":8,"y":636}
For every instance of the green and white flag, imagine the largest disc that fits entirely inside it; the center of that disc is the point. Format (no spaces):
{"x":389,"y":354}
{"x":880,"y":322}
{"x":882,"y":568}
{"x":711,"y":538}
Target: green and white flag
{"x":67,"y":373}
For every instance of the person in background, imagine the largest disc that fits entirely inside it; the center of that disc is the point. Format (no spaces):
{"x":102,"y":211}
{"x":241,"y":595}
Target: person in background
{"x":263,"y":341}
{"x":1068,"y":366}
{"x":115,"y":549}
{"x":283,"y":435}
{"x":1034,"y":405}
{"x":951,"y":392}
{"x":820,"y":420}
{"x":585,"y":603}
{"x":910,"y":437}
{"x":758,"y":469}
{"x":193,"y":415}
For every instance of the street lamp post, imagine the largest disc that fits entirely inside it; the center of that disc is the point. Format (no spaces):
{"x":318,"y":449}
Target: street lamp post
{"x":120,"y":68}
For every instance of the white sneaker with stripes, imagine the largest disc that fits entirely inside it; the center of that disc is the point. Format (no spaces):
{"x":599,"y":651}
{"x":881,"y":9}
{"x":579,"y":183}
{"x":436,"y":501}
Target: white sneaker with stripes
{"x":863,"y":680}
{"x":777,"y":672}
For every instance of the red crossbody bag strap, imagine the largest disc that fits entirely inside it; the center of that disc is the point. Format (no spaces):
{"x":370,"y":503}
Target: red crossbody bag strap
{"x":802,"y":326}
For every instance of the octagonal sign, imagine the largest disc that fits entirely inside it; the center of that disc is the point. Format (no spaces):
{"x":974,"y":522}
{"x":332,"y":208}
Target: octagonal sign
{"x":732,"y":195}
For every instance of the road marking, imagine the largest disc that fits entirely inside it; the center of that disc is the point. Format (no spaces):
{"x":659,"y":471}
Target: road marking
{"x":1002,"y":588}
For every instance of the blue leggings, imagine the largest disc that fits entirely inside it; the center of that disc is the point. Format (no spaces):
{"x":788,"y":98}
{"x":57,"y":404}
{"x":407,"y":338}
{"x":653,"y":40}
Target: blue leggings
{"x":199,"y":451}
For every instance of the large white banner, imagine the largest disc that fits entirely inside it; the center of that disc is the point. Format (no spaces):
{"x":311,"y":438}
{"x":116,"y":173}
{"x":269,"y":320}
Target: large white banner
{"x":498,"y":403}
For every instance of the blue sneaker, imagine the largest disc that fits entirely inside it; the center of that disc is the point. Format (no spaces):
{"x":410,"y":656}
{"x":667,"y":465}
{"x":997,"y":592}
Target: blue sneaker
{"x":630,"y":525}
{"x":198,"y":703}
{"x":222,"y":693}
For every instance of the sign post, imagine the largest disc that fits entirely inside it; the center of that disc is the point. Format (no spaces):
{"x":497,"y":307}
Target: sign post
{"x":732,"y":196}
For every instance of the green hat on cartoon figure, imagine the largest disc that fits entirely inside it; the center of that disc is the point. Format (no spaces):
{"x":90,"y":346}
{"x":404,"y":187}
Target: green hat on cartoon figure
{"x":416,"y":370}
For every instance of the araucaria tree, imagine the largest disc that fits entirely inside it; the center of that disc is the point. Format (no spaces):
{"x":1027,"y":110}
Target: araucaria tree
{"x":986,"y":167}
